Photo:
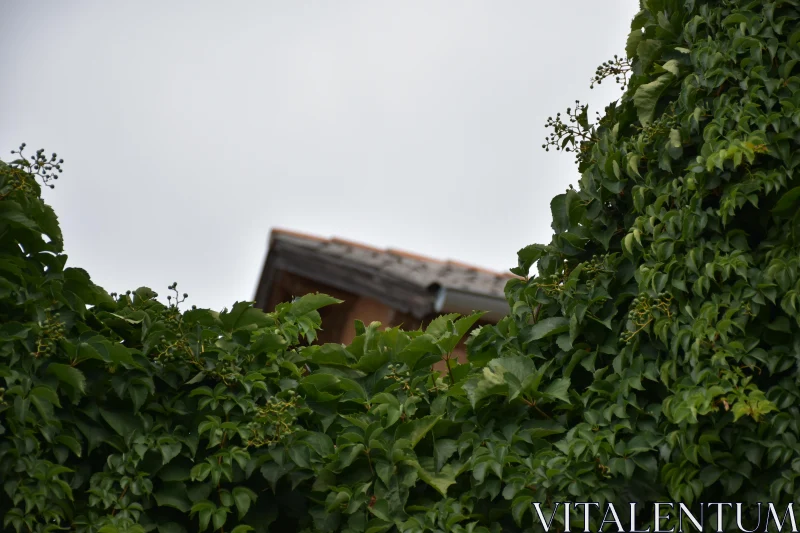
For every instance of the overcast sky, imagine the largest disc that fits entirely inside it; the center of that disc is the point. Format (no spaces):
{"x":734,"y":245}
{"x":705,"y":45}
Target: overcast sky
{"x":189,"y":129}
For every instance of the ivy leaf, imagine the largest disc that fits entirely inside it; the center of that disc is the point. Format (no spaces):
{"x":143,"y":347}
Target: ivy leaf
{"x":319,"y":442}
{"x":526,"y":257}
{"x":789,"y":201}
{"x":123,"y":423}
{"x":417,"y":348}
{"x":173,"y":495}
{"x":11,"y":212}
{"x":521,"y":505}
{"x":243,"y":497}
{"x":416,"y":430}
{"x":70,"y":443}
{"x":169,"y":450}
{"x":632,"y":43}
{"x":548,"y":327}
{"x":559,"y":389}
{"x":219,"y":517}
{"x":47,"y":394}
{"x":443,"y":449}
{"x":170,"y":527}
{"x":647,"y":50}
{"x":560,"y":212}
{"x":646,"y":97}
{"x":440,"y":325}
{"x":441,"y":481}
{"x":242,"y":315}
{"x":518,"y":373}
{"x":68,"y":375}
{"x":311,"y":302}
{"x":461,"y":327}
{"x":485,"y":385}
{"x":575,"y":207}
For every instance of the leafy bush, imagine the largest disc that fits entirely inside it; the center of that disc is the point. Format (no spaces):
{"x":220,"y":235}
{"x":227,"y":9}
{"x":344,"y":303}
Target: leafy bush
{"x":653,"y":358}
{"x":123,"y":414}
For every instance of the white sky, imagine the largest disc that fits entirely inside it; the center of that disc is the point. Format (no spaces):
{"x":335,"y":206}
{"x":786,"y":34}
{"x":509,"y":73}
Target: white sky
{"x":189,"y":129}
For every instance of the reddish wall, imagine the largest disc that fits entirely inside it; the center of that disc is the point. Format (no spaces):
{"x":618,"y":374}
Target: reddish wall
{"x":366,"y":310}
{"x":338,"y":320}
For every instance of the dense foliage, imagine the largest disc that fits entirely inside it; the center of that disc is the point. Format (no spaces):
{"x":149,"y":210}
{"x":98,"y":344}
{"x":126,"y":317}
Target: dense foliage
{"x":653,"y":358}
{"x":673,"y":273}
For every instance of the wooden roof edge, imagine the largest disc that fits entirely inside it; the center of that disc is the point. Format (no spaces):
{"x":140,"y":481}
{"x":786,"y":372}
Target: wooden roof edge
{"x":491,"y":272}
{"x":276,"y":232}
{"x":345,"y":242}
{"x":418,"y":257}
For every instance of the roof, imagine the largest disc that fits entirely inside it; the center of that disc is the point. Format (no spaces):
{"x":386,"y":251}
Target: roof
{"x":380,"y":273}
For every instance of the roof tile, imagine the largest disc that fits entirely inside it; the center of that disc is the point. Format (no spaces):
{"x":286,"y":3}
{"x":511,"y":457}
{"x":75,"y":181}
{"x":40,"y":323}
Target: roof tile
{"x":414,"y":268}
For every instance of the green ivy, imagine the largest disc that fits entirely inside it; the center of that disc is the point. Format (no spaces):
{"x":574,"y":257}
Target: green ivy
{"x":668,"y":297}
{"x":654,"y":357}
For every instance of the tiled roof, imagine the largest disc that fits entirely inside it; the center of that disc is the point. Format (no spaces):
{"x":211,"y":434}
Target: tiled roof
{"x":421,"y":271}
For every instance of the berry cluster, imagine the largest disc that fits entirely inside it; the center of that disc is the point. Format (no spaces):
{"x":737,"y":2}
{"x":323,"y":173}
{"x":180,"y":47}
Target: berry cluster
{"x":575,"y":135}
{"x":661,"y":127}
{"x":52,"y":331}
{"x":178,"y":348}
{"x":227,"y":369}
{"x":595,"y":267}
{"x":617,"y":67}
{"x":400,"y":375}
{"x":552,"y":285}
{"x":644,"y":310}
{"x":177,"y":302}
{"x":46,"y":169}
{"x":273,"y":421}
{"x":127,"y":295}
{"x":398,"y":372}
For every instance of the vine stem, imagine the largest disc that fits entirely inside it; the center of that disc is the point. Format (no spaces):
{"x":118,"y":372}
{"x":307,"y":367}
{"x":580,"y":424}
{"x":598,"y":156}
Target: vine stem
{"x":533,"y":404}
{"x":449,"y":370}
{"x":124,"y":491}
{"x":369,"y":461}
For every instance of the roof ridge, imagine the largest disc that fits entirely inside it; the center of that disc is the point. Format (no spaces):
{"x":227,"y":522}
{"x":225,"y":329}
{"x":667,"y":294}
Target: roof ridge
{"x":298,"y":234}
{"x":477,"y":268}
{"x":338,"y":240}
{"x":392,"y":251}
{"x":418,"y":257}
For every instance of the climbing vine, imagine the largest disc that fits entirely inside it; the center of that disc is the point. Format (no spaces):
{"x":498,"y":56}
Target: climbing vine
{"x":650,"y":352}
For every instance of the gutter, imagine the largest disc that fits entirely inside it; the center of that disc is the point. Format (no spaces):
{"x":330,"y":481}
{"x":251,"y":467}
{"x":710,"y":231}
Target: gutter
{"x":465,"y":302}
